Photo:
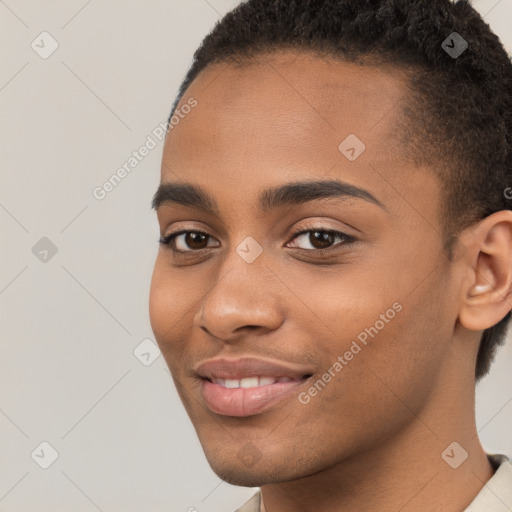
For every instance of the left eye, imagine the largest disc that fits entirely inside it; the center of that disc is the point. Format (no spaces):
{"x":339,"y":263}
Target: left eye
{"x":319,"y":239}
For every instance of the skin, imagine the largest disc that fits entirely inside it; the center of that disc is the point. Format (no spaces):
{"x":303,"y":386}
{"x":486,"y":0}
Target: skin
{"x":372,"y":438}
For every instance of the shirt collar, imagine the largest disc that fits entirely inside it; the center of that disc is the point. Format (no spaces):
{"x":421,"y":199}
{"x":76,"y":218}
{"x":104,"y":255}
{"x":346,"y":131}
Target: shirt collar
{"x":495,"y":495}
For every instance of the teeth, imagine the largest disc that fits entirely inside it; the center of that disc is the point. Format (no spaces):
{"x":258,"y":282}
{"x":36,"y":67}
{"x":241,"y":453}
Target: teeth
{"x":250,"y":382}
{"x":266,"y":381}
{"x":231,"y":383}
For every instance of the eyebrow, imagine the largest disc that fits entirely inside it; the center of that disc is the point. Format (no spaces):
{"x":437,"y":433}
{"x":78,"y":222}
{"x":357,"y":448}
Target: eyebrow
{"x":289,"y":194}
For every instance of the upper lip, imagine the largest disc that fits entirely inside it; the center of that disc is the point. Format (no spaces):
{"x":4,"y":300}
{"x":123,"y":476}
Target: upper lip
{"x":241,"y":368}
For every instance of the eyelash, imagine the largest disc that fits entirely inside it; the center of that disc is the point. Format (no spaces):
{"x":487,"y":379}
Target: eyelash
{"x":346,"y":239}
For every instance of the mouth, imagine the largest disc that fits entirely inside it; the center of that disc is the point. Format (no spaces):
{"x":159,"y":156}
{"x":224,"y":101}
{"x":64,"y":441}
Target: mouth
{"x":248,"y":386}
{"x":250,"y":382}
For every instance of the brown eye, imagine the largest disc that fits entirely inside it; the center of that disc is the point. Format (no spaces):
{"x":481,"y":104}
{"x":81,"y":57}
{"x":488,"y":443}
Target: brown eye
{"x":193,"y":240}
{"x":322,"y":239}
{"x":187,"y":241}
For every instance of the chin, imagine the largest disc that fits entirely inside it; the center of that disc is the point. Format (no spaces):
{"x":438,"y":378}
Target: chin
{"x":242,"y":471}
{"x":235,"y":470}
{"x":241,"y":477}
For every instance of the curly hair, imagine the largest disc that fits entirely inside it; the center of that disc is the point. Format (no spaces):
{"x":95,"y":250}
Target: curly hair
{"x":457,"y":117}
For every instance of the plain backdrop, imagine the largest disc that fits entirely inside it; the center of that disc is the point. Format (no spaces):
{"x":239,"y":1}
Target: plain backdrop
{"x":79,"y":371}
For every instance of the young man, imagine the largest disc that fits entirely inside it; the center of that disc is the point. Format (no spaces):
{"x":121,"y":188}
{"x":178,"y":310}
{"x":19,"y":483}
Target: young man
{"x":335,"y":270}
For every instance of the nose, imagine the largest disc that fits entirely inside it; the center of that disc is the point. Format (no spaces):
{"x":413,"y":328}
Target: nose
{"x":244,"y":298}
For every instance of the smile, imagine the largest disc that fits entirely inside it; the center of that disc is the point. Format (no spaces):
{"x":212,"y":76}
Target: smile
{"x":250,"y":382}
{"x":248,"y":386}
{"x":243,"y":398}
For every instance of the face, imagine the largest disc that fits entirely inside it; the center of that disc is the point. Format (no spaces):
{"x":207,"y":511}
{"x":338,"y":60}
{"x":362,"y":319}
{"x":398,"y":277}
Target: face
{"x":292,"y":317}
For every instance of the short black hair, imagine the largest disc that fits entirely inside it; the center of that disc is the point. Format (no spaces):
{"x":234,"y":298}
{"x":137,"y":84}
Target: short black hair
{"x":457,"y":117}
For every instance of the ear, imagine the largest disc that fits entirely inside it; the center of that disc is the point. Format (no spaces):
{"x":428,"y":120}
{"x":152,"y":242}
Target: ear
{"x":487,"y":289}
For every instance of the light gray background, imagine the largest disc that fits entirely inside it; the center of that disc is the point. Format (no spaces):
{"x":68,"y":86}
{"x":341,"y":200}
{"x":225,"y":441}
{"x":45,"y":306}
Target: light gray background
{"x":69,"y":326}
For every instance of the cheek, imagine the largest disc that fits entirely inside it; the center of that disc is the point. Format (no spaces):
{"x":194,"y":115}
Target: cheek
{"x":167,"y":308}
{"x":348,"y":302}
{"x":158,"y":303}
{"x":391,"y":340}
{"x":404,"y":358}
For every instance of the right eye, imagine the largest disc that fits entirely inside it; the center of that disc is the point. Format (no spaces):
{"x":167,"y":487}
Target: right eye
{"x":186,"y":241}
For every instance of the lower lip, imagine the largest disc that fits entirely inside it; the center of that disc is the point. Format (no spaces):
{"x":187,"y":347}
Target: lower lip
{"x":245,"y":401}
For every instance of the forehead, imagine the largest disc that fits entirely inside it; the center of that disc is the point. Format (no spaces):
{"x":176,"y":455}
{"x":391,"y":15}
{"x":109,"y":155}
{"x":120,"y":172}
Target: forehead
{"x":298,"y":80}
{"x":283,"y":116}
{"x":296,"y":94}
